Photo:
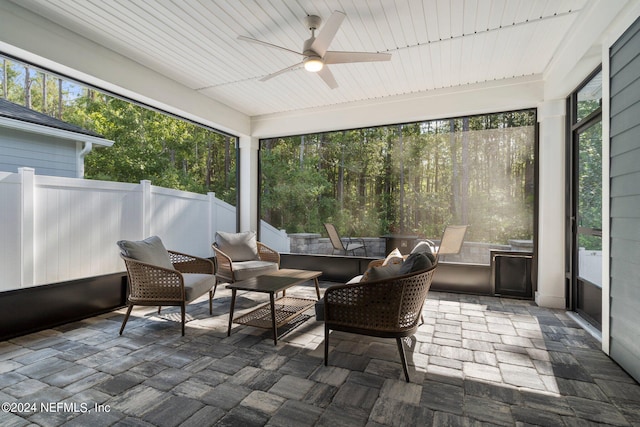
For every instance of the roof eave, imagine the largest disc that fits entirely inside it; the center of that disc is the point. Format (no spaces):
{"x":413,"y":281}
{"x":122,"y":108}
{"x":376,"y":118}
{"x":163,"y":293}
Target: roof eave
{"x":53,"y":132}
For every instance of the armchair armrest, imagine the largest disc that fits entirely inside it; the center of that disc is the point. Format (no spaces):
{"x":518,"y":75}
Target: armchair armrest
{"x":151,"y":285}
{"x":359,"y":240}
{"x":223,"y":263}
{"x":191,"y":264}
{"x":267,"y":254}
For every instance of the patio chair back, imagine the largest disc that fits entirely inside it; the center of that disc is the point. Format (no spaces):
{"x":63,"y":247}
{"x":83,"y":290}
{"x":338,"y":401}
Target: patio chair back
{"x":334,"y":237}
{"x":338,"y":245}
{"x":452,"y":239}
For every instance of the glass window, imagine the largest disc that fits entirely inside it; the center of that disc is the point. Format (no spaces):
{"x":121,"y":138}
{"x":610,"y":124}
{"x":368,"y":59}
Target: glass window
{"x":589,"y":188}
{"x":589,"y":97}
{"x":410,"y":179}
{"x":584,"y":213}
{"x":590,"y":177}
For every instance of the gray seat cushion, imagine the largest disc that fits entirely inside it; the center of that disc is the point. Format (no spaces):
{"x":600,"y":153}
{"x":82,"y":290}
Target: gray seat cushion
{"x":196,"y":285}
{"x":245,"y":269}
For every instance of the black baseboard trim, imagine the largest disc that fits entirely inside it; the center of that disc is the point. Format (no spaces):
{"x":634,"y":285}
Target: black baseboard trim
{"x":33,"y":309}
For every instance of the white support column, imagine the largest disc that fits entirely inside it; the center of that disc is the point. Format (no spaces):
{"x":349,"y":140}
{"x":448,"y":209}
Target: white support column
{"x":27,"y":232}
{"x":551,"y":220}
{"x":212,"y":220}
{"x":248,"y":185}
{"x":146,"y":208}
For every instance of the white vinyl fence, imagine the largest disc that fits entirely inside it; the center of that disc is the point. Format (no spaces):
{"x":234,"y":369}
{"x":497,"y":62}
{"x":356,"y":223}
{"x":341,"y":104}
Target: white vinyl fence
{"x":55,"y":229}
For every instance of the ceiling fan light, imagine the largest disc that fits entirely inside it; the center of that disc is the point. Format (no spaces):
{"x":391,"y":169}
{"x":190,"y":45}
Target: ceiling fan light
{"x":313,"y":64}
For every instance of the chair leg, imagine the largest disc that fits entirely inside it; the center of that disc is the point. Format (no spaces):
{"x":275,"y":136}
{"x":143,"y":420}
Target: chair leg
{"x":182,"y":316}
{"x":159,"y":307}
{"x":403,"y":358}
{"x":126,"y":317}
{"x":326,"y":345}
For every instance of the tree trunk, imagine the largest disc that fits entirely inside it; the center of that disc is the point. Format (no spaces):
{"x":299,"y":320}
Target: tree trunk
{"x":5,"y":85}
{"x":402,"y":210}
{"x":44,"y":93}
{"x":436,"y":181}
{"x":340,"y":195}
{"x":227,"y":161}
{"x":301,"y":152}
{"x":389,"y":213}
{"x":464,"y":196}
{"x":209,"y":172}
{"x":455,"y":188}
{"x":27,"y":87}
{"x":59,"y":99}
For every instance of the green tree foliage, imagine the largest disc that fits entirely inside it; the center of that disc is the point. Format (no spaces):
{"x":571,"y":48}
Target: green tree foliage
{"x":147,"y":145}
{"x":413,"y":178}
{"x":590,"y":185}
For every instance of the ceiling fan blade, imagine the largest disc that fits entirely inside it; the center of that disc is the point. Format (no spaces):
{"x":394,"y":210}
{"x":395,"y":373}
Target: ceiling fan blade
{"x":327,"y":33}
{"x":338,"y":57}
{"x":249,"y":39}
{"x":284,"y":70}
{"x":326,"y":75}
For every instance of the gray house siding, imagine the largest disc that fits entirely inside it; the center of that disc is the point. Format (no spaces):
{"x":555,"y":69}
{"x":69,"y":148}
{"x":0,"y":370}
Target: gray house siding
{"x":47,"y":155}
{"x":625,"y":201}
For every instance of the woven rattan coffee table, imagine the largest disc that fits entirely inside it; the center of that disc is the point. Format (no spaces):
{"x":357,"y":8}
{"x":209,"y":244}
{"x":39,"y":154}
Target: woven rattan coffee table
{"x":277,"y":312}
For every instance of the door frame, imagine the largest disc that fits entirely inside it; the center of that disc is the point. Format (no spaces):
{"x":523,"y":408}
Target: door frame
{"x":574,"y":129}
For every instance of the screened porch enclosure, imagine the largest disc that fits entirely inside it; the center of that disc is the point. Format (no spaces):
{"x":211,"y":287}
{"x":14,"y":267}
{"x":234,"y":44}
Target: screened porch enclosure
{"x":409,"y":180}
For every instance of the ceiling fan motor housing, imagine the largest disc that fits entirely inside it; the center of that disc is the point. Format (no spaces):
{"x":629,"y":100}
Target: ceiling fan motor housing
{"x":313,"y":22}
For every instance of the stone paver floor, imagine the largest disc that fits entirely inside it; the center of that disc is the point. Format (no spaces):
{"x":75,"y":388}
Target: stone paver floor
{"x":476,"y":361}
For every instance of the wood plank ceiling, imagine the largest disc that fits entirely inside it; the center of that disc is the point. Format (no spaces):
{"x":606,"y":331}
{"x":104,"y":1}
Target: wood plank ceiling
{"x":434,"y":43}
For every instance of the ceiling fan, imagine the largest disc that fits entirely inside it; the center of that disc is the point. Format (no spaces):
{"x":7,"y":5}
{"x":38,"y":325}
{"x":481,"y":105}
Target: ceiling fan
{"x":315,"y":55}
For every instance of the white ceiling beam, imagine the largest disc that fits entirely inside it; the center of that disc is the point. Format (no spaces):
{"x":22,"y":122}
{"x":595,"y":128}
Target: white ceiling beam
{"x":488,"y":97}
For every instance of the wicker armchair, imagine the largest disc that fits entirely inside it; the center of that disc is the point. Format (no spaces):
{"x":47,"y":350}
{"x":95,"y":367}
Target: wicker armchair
{"x":388,"y":308}
{"x":233,"y":271}
{"x":152,"y":285}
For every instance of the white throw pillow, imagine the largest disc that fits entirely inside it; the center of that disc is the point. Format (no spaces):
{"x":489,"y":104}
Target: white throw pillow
{"x":394,"y":257}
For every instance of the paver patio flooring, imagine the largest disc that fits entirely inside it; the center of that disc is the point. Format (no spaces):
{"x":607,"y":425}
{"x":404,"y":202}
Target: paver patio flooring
{"x":476,"y":361}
